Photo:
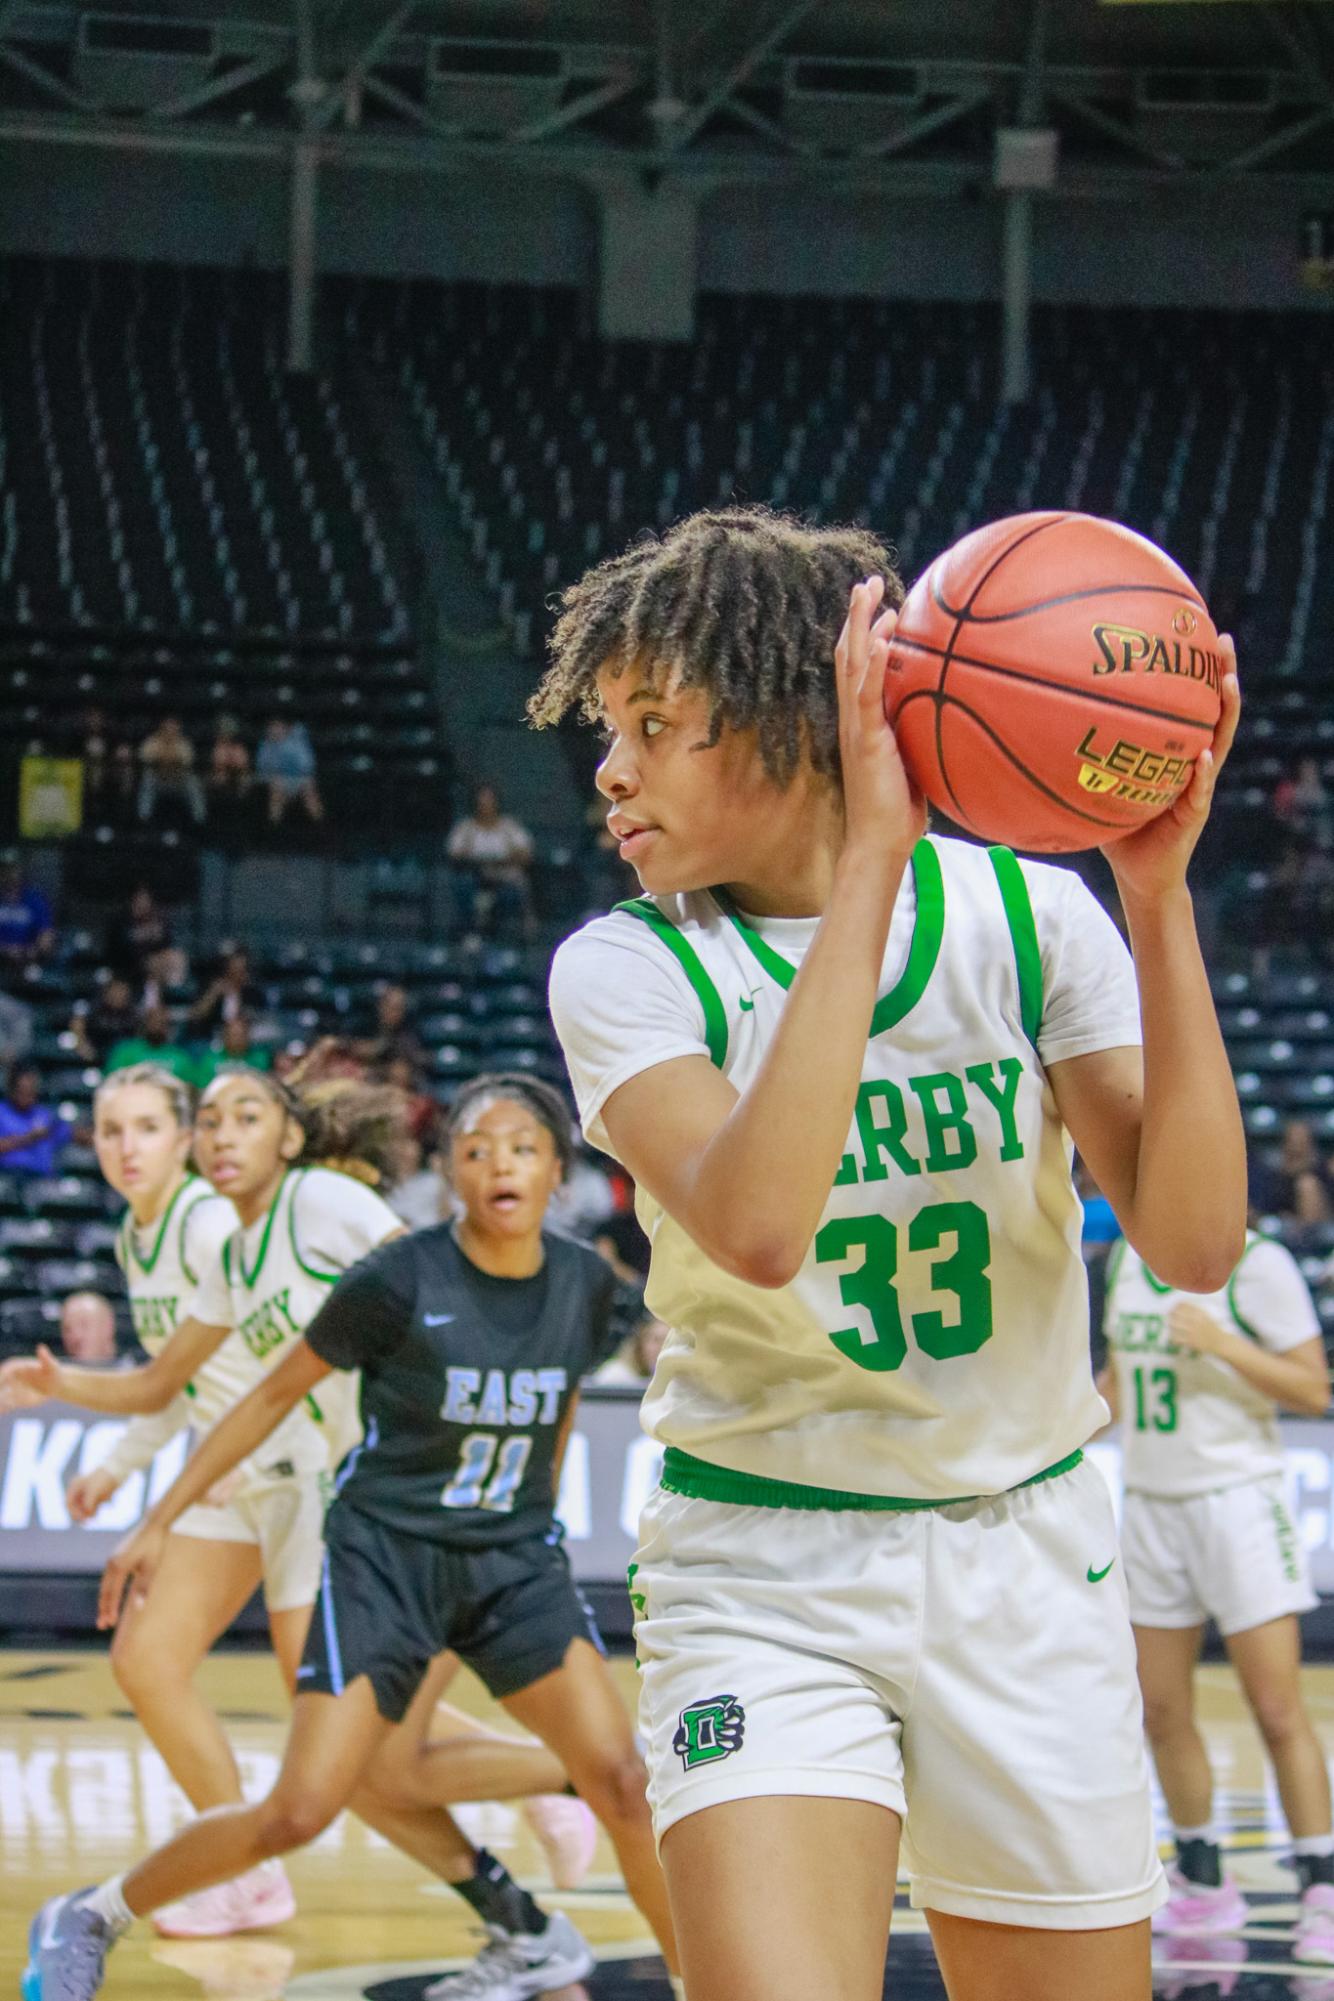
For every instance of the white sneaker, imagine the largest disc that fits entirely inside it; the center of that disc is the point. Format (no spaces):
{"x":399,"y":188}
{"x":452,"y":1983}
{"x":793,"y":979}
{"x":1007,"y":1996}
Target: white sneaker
{"x":250,"y":1903}
{"x":568,"y":1834}
{"x":517,"y":1965}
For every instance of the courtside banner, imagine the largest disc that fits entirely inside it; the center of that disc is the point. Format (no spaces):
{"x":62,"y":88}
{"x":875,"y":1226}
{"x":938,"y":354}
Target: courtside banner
{"x":610,"y":1470}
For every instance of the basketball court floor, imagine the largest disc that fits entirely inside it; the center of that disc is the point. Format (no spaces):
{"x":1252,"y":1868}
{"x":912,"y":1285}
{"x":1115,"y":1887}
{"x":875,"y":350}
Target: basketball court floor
{"x":81,"y":1794}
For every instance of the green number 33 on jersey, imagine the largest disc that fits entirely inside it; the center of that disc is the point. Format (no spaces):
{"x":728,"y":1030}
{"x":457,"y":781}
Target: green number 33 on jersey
{"x":961,"y":1272}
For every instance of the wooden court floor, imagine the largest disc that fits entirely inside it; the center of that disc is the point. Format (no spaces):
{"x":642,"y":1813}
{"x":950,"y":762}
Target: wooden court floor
{"x":82,"y":1794}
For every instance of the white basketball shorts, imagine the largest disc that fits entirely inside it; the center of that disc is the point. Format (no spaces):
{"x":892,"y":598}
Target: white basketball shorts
{"x":969,"y":1667}
{"x":285,"y":1520}
{"x":1235,"y":1556}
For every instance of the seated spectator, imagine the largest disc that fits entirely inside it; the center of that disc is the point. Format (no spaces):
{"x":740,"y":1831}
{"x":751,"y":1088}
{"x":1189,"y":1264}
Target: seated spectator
{"x":228,"y":763}
{"x":635,"y":1360}
{"x":231,"y":992}
{"x":232,"y":1047}
{"x":394,"y":1038}
{"x":421,"y":1197}
{"x":492,"y":856}
{"x":1302,"y":801}
{"x":27,"y":928}
{"x":167,"y":759}
{"x":88,"y":1329}
{"x":16,"y":1030}
{"x":423,"y":1111}
{"x":96,"y":755}
{"x":111,"y":1018}
{"x":139,"y":945}
{"x":1299,"y":1188}
{"x":32,"y":1135}
{"x":286,"y":764}
{"x":155,"y":1042}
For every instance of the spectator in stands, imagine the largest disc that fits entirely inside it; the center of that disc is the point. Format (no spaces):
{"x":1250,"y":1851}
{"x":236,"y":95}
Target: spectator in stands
{"x":1299,"y":1189}
{"x":286,"y":764}
{"x":121,"y":802}
{"x":139,"y":945}
{"x":99,"y":1025}
{"x":228,"y":764}
{"x":231,"y":992}
{"x":155,"y":1042}
{"x":88,"y":1329}
{"x":96,"y":755}
{"x":584,"y":1201}
{"x":32,"y":1135}
{"x":423,"y":1111}
{"x":1302,"y":801}
{"x":234,"y":1044}
{"x":635,"y":1360}
{"x":27,"y":927}
{"x":16,"y":1030}
{"x":492,"y":856}
{"x":167,"y":760}
{"x":394,"y":1037}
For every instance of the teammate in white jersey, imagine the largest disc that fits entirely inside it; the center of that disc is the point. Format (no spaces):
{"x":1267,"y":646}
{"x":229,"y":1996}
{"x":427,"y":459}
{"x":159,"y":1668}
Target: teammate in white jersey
{"x":282,"y":1229}
{"x":1207,"y":1533}
{"x":841,"y":1061}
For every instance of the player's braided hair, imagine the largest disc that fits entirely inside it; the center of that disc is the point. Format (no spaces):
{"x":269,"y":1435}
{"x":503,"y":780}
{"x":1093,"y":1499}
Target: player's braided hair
{"x":179,"y":1095}
{"x":743,"y":602}
{"x":359,"y":1129}
{"x":542,"y":1100}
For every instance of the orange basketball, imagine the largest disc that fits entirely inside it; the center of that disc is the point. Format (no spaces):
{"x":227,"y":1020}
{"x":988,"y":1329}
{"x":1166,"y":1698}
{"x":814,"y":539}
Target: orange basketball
{"x":1052,"y":680}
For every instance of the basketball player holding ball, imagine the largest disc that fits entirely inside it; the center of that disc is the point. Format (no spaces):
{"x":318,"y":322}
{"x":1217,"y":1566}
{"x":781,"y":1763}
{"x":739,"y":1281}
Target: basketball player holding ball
{"x":844,"y":1060}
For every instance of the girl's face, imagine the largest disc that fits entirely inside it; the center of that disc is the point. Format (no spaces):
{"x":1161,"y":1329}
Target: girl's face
{"x":140,"y":1148}
{"x":243,"y":1137}
{"x":687,"y":814}
{"x":504,"y":1168}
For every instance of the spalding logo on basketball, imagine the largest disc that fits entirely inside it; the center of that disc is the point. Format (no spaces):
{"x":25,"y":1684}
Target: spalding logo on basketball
{"x":1052,"y":680}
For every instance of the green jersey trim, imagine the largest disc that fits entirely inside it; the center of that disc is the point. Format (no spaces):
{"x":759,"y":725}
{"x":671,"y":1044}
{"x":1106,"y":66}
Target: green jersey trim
{"x":322,"y":1277}
{"x":928,"y":931}
{"x":715,"y":1015}
{"x":132,"y":1249}
{"x":1024,"y":935}
{"x":1251,"y":1333}
{"x":700,"y":1481}
{"x":248,"y":1278}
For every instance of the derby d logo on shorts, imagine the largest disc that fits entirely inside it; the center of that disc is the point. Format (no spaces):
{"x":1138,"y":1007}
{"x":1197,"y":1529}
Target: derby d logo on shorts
{"x":709,"y":1731}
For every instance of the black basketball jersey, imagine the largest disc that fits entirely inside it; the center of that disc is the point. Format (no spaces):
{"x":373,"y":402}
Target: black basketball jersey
{"x":465,"y":1381}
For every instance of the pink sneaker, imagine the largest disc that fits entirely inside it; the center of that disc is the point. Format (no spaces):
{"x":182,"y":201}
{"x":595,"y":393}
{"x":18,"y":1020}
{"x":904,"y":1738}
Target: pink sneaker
{"x":1315,"y":1926}
{"x":251,"y":1903}
{"x":1199,"y":1907}
{"x":568,"y":1834}
{"x":1183,"y":1966}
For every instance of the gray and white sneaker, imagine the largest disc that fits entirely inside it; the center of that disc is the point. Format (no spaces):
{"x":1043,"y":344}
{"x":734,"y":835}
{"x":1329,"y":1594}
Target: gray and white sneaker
{"x":517,"y":1965}
{"x":67,"y":1949}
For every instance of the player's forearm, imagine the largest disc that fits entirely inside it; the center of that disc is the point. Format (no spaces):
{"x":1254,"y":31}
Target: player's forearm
{"x":240,"y":1433}
{"x":764,"y":1177}
{"x":1188,"y":1217}
{"x":118,"y":1392}
{"x":1290,"y":1383}
{"x":144,"y":1439}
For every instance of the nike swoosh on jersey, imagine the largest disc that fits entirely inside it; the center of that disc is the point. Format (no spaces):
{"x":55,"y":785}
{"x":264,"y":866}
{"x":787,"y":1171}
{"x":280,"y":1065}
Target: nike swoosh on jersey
{"x":746,"y":1006}
{"x":1096,"y":1576}
{"x":438,"y":1319}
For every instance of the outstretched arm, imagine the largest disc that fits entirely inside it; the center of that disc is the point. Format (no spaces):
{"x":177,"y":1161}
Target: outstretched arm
{"x":31,"y":1379}
{"x":234,"y":1439}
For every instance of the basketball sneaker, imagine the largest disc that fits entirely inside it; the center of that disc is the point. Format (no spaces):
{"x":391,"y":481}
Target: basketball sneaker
{"x":517,"y":1965}
{"x":568,"y":1834}
{"x":1200,"y":1907}
{"x":1186,"y":1966}
{"x":1315,"y":1926}
{"x":67,"y":1949}
{"x":250,"y":1903}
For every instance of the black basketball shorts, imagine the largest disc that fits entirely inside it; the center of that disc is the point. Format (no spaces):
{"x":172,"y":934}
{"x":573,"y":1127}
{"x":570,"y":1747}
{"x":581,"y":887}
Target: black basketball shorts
{"x":389,"y":1603}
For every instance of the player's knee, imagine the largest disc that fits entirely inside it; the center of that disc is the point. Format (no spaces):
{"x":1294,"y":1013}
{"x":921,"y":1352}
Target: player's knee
{"x":138,"y":1667}
{"x":1279,"y":1717}
{"x":616,"y":1788}
{"x":1165,"y":1717}
{"x":293,"y":1820}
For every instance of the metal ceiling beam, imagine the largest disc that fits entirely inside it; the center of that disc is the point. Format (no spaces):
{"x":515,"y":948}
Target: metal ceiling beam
{"x":378,"y":45}
{"x":1115,"y":128}
{"x":45,"y":79}
{"x":576,"y":110}
{"x":1278,"y":142}
{"x":923,"y":127}
{"x":218,"y":87}
{"x":684,"y":131}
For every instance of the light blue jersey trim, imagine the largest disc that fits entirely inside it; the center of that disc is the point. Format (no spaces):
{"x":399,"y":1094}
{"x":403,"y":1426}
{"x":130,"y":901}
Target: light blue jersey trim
{"x":331,"y":1630}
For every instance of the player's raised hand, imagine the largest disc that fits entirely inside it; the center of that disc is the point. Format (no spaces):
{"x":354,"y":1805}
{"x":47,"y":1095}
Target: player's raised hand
{"x":881,"y":804}
{"x":87,"y":1492}
{"x":26,"y":1380}
{"x":133,"y":1565}
{"x":1153,"y":860}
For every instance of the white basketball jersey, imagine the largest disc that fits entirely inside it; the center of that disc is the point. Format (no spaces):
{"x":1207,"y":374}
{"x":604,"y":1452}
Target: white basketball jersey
{"x":270,"y":1280}
{"x":163,"y":1264}
{"x":1190,"y":1424}
{"x":935,"y":1340}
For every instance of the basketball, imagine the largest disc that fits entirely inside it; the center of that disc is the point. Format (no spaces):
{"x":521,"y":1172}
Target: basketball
{"x":1052,"y":680}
